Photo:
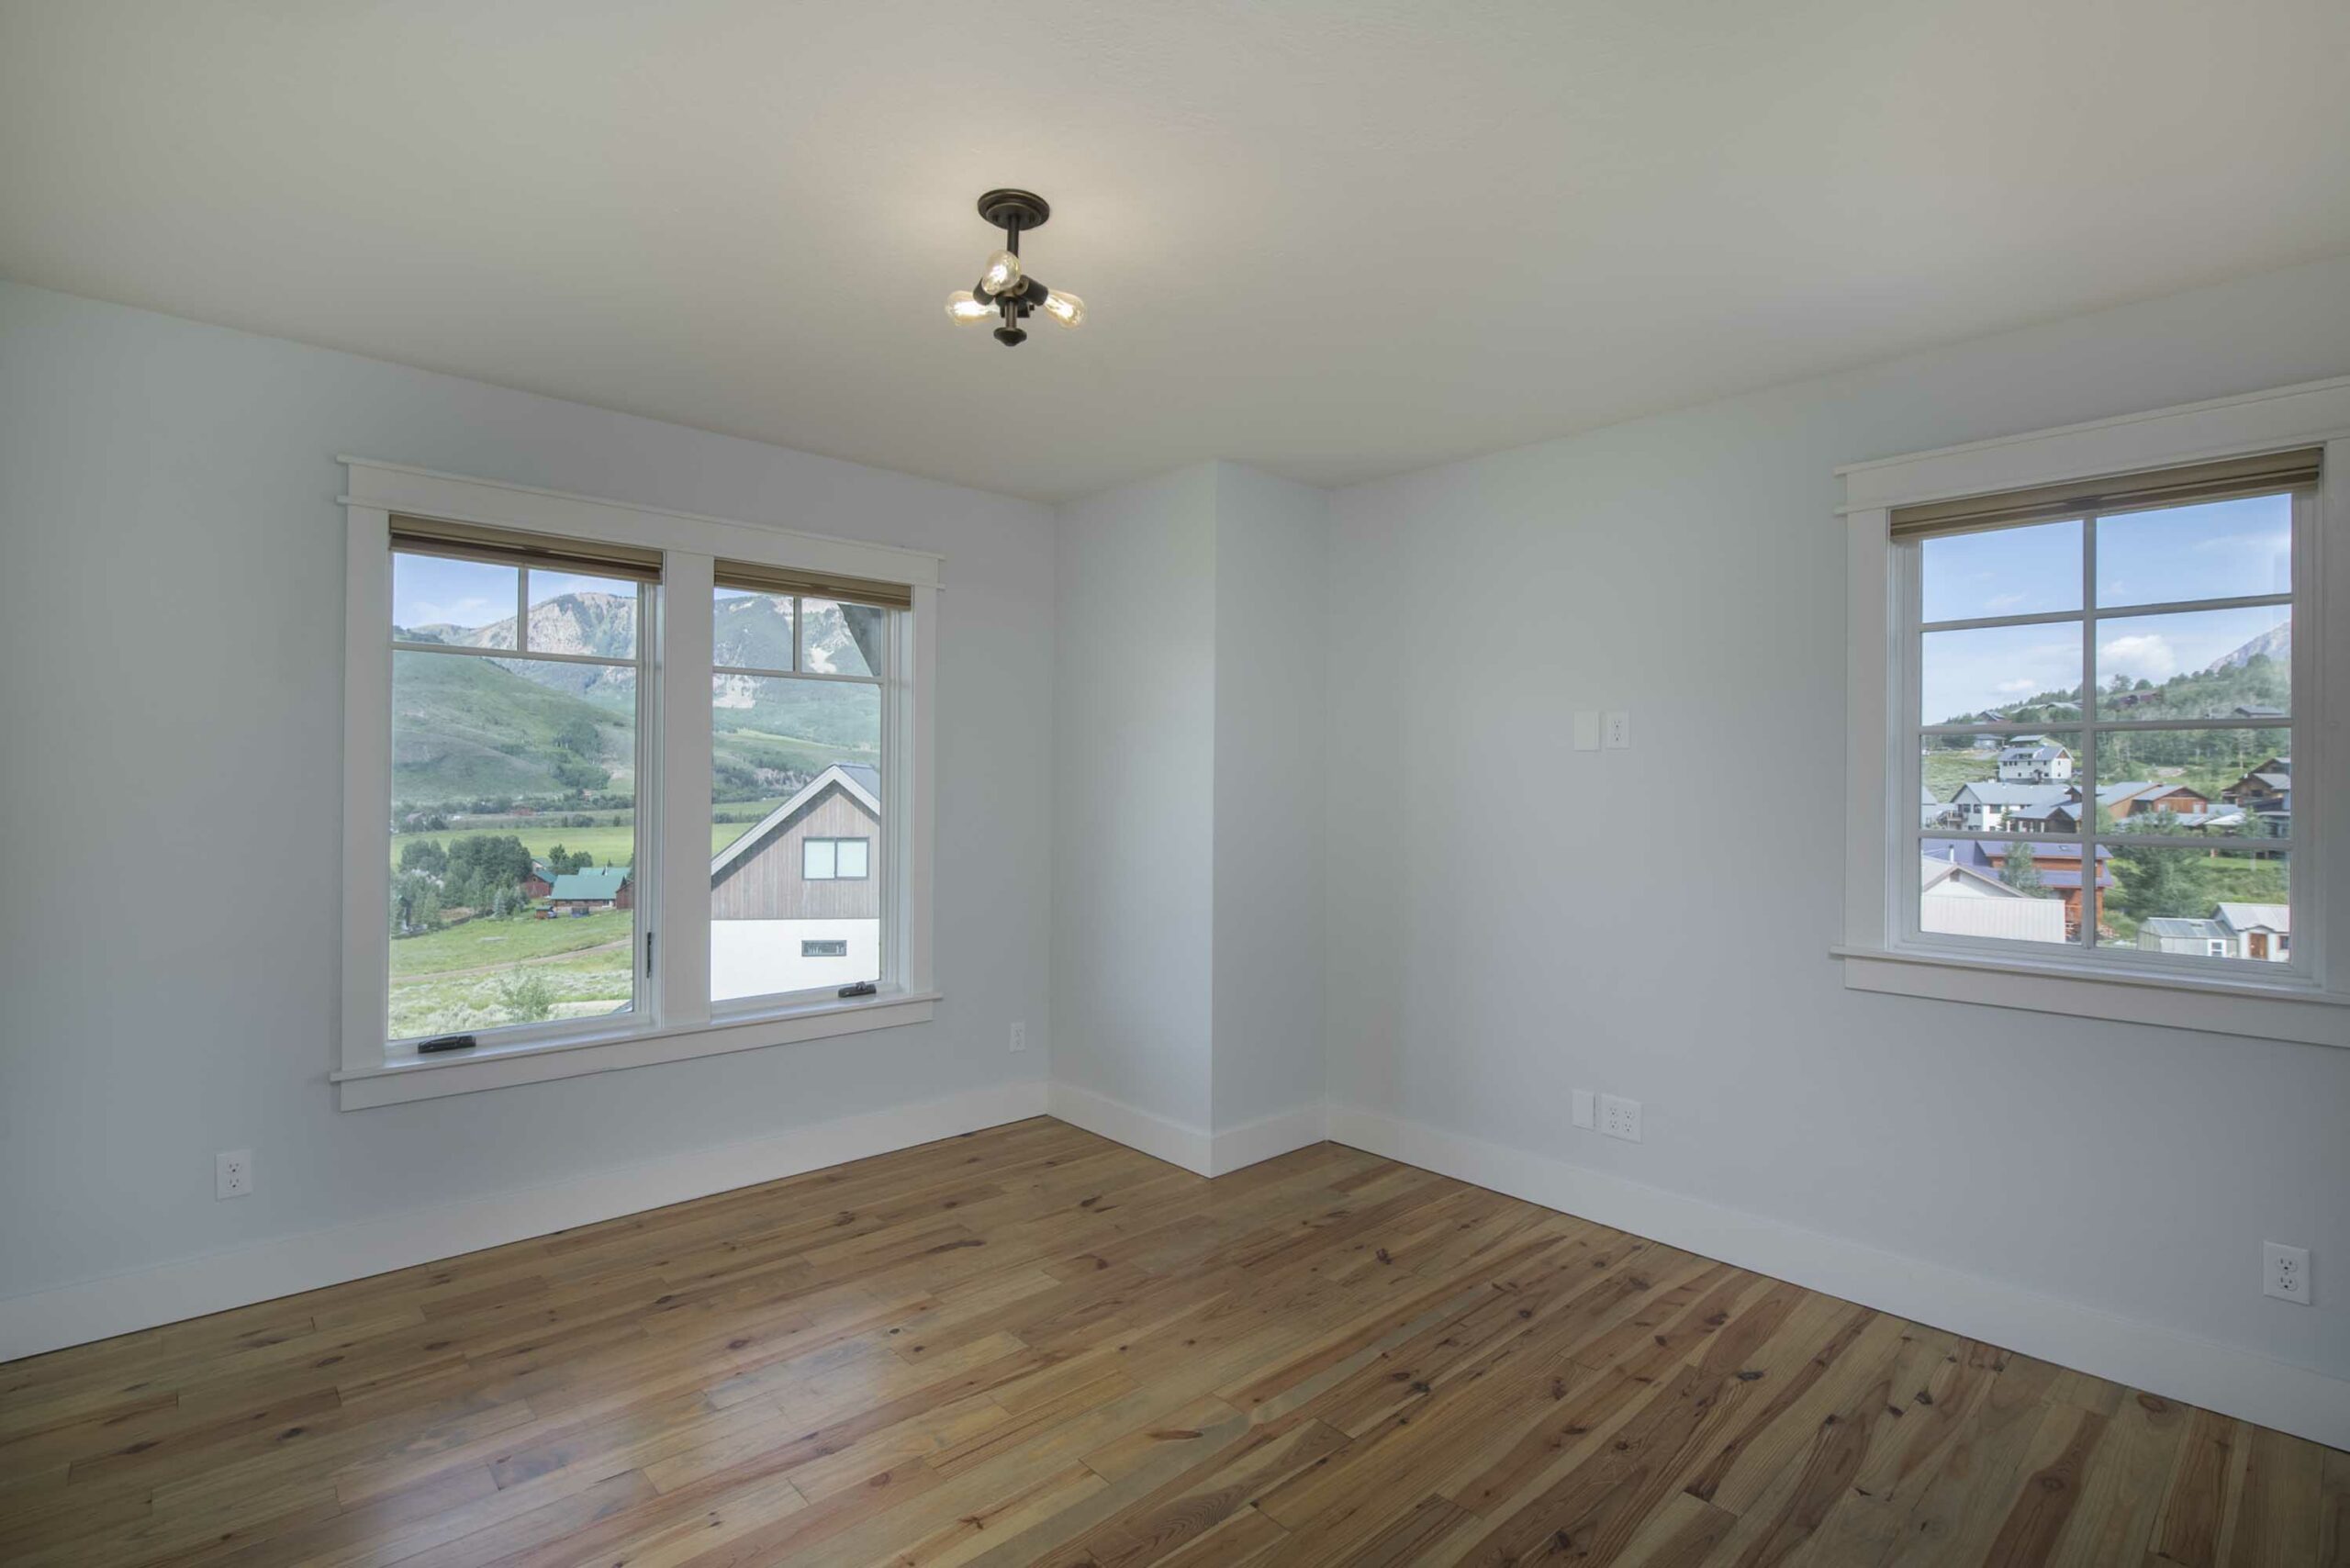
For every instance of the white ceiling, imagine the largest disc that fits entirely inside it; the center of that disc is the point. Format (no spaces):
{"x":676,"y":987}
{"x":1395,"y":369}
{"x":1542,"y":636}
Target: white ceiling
{"x":1333,"y":240}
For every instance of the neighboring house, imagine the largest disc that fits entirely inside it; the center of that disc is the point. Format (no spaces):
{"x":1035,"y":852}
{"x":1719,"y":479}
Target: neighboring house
{"x":795,"y":902}
{"x":2258,"y":930}
{"x":2204,"y":939}
{"x":591,"y":891}
{"x":1988,"y":804}
{"x":2058,"y":866}
{"x":2138,"y":799}
{"x":539,"y":882}
{"x":1964,"y":900}
{"x":2266,"y":788}
{"x":1929,"y":809}
{"x":2034,"y":759}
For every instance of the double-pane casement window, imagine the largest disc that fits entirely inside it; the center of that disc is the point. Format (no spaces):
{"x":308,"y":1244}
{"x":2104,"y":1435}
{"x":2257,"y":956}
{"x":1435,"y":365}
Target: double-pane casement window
{"x":2100,"y":685}
{"x":622,"y":786}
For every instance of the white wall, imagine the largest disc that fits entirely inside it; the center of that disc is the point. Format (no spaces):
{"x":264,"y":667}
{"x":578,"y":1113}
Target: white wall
{"x":1690,"y":568}
{"x":1135,"y":737}
{"x":171,"y":583}
{"x":1187,"y":892}
{"x":1272,"y":561}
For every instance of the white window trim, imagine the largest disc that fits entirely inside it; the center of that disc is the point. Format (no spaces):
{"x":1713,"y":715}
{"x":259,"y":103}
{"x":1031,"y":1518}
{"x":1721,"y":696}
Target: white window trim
{"x":673,"y":1019}
{"x":1881,"y":950}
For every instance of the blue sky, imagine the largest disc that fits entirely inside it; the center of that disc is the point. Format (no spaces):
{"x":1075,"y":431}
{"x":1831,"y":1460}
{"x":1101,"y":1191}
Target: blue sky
{"x":429,"y":590}
{"x":2222,"y":550}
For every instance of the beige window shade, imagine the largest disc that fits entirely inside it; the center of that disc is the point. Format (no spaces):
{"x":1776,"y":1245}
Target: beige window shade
{"x":752,"y":579}
{"x":2223,"y":480}
{"x":473,"y":542}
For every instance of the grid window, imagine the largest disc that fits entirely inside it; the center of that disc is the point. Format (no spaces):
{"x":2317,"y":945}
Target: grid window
{"x":2103,"y":718}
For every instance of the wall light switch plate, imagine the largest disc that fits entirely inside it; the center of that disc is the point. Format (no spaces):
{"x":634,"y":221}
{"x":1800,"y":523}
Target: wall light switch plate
{"x":1581,"y":1111}
{"x":1586,"y":729}
{"x":1620,"y":1117}
{"x":1616,"y":731}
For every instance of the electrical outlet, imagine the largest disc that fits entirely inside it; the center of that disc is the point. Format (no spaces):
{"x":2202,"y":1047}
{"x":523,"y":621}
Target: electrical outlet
{"x":1582,"y":1113}
{"x":1616,"y":731}
{"x":1020,"y":1037}
{"x":2285,"y":1271}
{"x":1620,"y":1117}
{"x":232,"y":1173}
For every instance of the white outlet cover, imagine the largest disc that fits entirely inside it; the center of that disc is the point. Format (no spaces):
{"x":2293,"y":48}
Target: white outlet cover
{"x":1586,"y":738}
{"x":1581,"y":1111}
{"x":1020,"y":1037}
{"x":232,"y":1173}
{"x":2285,"y":1271}
{"x":1616,"y":731}
{"x":1620,"y":1117}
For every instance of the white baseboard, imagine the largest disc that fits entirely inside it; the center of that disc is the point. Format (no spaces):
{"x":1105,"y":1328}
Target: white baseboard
{"x":1174,"y":1142}
{"x":1251,"y":1143}
{"x":1179,"y":1143}
{"x":171,"y":1292}
{"x":2242,"y":1383}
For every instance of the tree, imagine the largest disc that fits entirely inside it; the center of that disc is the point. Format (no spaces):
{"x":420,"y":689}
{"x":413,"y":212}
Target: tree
{"x":2019,"y":871}
{"x":416,"y":903}
{"x":423,"y":855}
{"x":2158,"y":882}
{"x":577,"y":736}
{"x":526,"y":996}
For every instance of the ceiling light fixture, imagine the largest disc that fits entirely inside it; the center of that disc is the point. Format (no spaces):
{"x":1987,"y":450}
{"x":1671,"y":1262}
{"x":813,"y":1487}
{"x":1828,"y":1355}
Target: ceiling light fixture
{"x":1006,"y":290}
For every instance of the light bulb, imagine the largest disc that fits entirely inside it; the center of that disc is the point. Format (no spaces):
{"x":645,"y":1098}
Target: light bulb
{"x":1066,"y":308}
{"x":964,"y":307}
{"x":1003,"y":276}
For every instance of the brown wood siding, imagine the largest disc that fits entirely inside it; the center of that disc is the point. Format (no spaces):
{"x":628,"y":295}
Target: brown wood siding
{"x":766,"y":883}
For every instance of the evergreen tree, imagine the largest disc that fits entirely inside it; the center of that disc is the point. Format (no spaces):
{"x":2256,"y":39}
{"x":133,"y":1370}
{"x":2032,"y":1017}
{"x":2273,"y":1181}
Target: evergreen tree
{"x":2019,"y":871}
{"x":2158,"y":882}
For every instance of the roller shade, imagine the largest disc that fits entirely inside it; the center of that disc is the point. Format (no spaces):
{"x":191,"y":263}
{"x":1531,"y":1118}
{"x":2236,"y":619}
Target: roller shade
{"x":753,"y":579}
{"x":2224,"y":480}
{"x":505,"y":546}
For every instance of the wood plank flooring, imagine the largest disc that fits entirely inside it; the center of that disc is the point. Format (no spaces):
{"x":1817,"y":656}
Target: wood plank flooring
{"x":1031,"y":1346}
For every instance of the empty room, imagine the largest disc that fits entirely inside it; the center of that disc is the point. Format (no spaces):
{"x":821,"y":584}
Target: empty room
{"x":1242,"y":782}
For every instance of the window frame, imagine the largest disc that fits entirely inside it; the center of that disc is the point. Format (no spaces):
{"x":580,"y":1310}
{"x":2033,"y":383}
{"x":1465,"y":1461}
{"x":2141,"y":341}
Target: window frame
{"x":2302,"y":998}
{"x":836,"y":874}
{"x":1911,"y":630}
{"x":673,"y":1018}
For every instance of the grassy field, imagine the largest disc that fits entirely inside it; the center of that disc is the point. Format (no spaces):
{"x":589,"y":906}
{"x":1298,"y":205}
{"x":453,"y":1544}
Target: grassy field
{"x":453,"y":979}
{"x":478,"y":943}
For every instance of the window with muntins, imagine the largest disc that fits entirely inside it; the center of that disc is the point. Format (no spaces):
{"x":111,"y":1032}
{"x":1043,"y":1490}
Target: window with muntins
{"x":800,"y":721}
{"x":518,"y":712}
{"x":2099,"y":684}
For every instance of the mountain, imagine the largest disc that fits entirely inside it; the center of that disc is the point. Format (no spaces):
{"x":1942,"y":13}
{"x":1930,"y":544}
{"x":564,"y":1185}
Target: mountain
{"x":470,"y":728}
{"x":601,"y":624}
{"x":2276,"y":642}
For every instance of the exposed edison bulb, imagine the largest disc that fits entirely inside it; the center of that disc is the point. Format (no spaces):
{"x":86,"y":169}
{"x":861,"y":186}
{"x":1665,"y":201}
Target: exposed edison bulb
{"x":1003,"y":276}
{"x":1066,"y":308}
{"x":967,"y":308}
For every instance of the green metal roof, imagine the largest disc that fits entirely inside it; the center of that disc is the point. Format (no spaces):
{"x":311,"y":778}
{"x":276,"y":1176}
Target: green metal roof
{"x":598,"y":882}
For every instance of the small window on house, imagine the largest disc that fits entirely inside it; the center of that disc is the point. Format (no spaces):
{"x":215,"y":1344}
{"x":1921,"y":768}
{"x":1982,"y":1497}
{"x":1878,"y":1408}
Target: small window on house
{"x":817,"y":859}
{"x":2102,"y":699}
{"x":824,"y":948}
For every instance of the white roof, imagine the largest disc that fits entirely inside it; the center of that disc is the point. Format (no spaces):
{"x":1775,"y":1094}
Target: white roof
{"x":2254,"y":916}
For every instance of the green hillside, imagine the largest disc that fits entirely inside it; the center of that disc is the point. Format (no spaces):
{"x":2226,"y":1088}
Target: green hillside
{"x":465,"y":727}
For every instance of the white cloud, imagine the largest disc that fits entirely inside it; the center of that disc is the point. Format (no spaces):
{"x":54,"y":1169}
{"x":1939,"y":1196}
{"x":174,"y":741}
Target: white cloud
{"x":2142,"y":654}
{"x":2020,"y":687}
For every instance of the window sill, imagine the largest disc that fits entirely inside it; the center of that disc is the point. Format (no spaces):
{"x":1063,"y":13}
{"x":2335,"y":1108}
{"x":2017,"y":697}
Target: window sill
{"x":2297,"y":1012}
{"x":536,"y":1061}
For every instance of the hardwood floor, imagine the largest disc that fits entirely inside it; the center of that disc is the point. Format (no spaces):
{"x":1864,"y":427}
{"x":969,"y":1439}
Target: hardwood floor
{"x":1033,"y":1346}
